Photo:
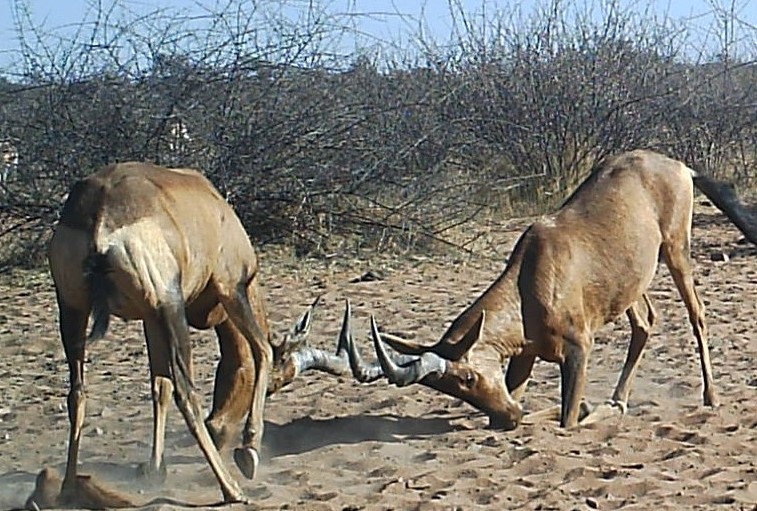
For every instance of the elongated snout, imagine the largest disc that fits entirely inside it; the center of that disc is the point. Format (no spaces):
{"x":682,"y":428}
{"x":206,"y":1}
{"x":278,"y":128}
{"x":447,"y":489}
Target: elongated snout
{"x":506,"y":421}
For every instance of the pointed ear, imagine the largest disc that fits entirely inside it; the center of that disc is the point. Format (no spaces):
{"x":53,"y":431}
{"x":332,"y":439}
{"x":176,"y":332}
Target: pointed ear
{"x":297,"y":334}
{"x":463,"y":346}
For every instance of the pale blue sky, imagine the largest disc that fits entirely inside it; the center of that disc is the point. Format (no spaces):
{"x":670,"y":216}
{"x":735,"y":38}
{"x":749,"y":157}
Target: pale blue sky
{"x":60,"y":15}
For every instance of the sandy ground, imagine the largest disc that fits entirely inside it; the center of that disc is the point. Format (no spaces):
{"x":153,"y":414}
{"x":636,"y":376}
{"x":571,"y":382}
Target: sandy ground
{"x":333,"y":444}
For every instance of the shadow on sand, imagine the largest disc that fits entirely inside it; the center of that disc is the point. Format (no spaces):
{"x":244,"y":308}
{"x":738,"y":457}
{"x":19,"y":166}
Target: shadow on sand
{"x":306,"y":434}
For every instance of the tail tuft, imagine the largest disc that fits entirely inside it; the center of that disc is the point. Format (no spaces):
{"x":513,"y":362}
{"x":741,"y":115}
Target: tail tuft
{"x":99,"y":290}
{"x":100,"y":321}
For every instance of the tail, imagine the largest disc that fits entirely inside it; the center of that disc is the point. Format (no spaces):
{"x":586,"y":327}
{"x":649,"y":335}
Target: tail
{"x":724,"y":197}
{"x":99,"y":290}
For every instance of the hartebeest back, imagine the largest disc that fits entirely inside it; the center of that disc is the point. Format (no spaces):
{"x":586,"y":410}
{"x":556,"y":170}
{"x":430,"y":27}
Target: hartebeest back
{"x":569,"y":274}
{"x":161,"y":245}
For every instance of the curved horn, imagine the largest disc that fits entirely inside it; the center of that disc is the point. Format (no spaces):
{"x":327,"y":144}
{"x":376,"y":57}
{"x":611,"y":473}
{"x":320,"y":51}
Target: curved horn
{"x":345,"y":334}
{"x":411,"y":369}
{"x":362,"y":372}
{"x":307,"y":357}
{"x":302,"y":359}
{"x":302,"y":327}
{"x":458,"y":350}
{"x":474,"y":334}
{"x":404,"y":346}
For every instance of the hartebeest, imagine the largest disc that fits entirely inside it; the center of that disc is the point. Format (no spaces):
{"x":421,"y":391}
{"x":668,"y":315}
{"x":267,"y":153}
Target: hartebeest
{"x":145,"y":242}
{"x":569,"y":274}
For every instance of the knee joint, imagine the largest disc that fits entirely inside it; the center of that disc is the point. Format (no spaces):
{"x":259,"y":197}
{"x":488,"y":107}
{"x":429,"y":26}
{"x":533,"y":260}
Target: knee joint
{"x":75,"y":396}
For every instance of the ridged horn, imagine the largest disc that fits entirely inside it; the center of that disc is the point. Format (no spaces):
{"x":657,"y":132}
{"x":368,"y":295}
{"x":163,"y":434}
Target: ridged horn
{"x":410,"y":369}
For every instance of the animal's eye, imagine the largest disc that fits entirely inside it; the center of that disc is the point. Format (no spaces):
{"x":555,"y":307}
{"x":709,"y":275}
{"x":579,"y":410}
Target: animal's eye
{"x":469,"y":379}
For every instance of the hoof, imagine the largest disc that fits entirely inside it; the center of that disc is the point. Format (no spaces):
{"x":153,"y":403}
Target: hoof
{"x":602,"y":412}
{"x":146,"y":471}
{"x":232,"y":494}
{"x":237,"y":498}
{"x":621,"y":405}
{"x":585,"y":410}
{"x":711,"y":400}
{"x":247,"y":460}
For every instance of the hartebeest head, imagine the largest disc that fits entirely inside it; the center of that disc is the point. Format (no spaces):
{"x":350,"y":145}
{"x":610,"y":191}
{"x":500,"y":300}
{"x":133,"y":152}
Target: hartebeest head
{"x":292,"y":355}
{"x":462,"y":372}
{"x":457,"y":365}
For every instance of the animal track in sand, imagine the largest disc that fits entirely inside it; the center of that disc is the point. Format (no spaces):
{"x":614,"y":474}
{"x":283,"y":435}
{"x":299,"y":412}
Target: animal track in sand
{"x":385,"y":471}
{"x":675,"y":453}
{"x":673,"y":432}
{"x":288,"y":477}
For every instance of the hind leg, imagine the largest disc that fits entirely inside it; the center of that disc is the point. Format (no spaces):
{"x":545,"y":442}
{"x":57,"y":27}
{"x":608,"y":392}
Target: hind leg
{"x":232,"y":392}
{"x":642,"y":317}
{"x":174,"y":322}
{"x":73,"y":325}
{"x":677,"y":260}
{"x":162,"y":391}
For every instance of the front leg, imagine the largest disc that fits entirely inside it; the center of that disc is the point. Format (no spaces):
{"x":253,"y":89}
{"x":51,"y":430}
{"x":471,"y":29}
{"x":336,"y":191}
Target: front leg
{"x":252,"y":324}
{"x":234,"y":382}
{"x":246,"y":457}
{"x":518,"y":372}
{"x":573,"y":373}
